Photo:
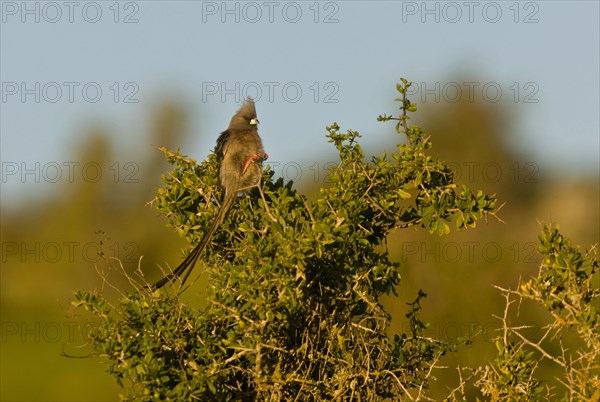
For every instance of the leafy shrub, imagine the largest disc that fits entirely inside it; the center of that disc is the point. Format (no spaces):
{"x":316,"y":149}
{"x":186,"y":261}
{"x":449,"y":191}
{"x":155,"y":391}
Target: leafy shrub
{"x":294,"y":309}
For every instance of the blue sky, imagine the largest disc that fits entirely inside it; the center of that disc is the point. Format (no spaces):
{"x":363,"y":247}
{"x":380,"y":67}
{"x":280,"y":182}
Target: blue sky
{"x":65,"y":66}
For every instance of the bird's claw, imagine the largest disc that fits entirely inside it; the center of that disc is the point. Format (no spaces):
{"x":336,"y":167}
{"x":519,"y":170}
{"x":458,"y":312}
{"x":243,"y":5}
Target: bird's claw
{"x":254,"y":157}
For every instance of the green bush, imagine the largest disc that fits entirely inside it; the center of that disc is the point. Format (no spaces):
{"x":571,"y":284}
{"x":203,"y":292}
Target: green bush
{"x":568,"y":290}
{"x":293,"y":306}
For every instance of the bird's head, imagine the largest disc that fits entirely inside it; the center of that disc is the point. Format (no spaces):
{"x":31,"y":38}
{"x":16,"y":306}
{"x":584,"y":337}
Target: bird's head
{"x":245,"y":118}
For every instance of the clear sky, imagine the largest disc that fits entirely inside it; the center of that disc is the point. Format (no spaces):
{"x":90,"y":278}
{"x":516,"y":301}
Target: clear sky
{"x":65,"y":65}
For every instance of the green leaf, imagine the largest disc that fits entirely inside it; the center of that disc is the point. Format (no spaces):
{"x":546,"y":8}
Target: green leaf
{"x":403,"y":194}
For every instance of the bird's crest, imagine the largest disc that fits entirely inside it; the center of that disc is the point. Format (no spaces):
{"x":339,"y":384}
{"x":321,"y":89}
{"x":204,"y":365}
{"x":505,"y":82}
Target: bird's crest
{"x":248,"y":108}
{"x":245,"y":115}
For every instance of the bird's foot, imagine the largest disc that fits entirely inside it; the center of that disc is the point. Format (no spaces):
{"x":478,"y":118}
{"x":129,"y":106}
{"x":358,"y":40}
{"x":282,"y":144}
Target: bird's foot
{"x":254,"y":157}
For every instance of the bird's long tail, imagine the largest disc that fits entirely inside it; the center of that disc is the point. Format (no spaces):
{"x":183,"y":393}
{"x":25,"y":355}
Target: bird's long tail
{"x":190,"y":261}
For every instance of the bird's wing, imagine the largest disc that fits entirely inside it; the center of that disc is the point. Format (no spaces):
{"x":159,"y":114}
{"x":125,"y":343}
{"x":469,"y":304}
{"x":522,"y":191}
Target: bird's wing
{"x":222,"y":145}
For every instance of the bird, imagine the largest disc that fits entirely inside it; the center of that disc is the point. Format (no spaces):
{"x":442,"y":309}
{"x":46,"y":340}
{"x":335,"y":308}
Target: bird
{"x":239,"y":153}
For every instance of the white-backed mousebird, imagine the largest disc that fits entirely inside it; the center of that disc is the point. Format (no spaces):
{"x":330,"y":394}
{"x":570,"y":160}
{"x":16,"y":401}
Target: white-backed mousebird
{"x":240,"y":154}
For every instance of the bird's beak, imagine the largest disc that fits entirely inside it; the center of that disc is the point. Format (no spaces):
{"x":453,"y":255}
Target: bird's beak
{"x":254,"y":122}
